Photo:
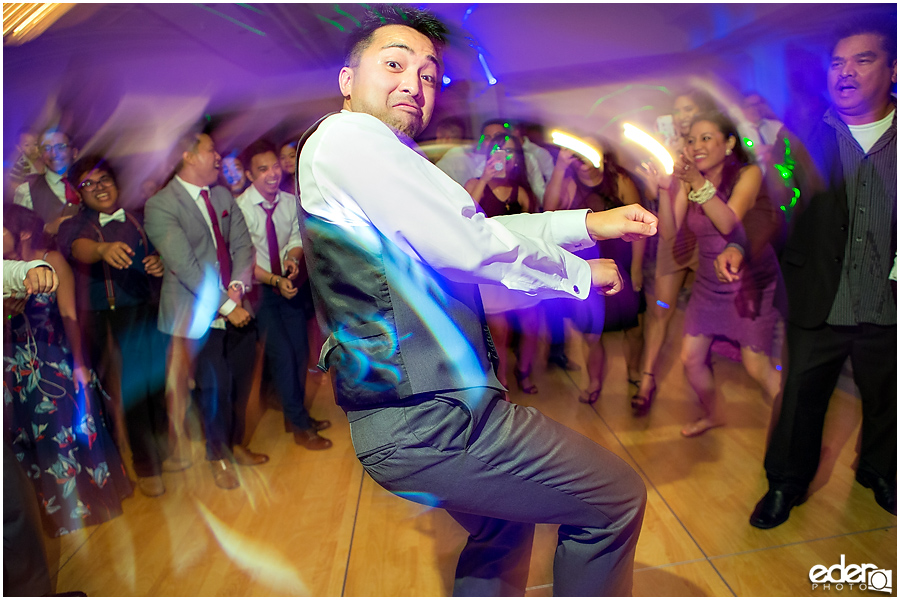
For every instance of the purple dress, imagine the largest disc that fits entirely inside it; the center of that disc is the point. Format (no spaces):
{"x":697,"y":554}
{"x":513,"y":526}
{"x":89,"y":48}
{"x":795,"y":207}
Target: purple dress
{"x":744,"y":311}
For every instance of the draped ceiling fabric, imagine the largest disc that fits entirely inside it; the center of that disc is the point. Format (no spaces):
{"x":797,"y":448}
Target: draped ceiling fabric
{"x":123,"y":77}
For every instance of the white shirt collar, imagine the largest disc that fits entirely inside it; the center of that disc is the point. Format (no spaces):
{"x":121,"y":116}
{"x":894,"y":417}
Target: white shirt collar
{"x":53,"y":177}
{"x":192,"y":189}
{"x":252,"y":195}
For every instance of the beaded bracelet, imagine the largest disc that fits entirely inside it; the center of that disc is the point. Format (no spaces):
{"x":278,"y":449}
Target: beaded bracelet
{"x":703,"y":194}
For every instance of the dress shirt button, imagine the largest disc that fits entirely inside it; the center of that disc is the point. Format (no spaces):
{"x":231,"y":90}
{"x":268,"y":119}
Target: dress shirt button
{"x":837,"y":259}
{"x":859,"y":239}
{"x":575,"y":289}
{"x":843,"y":228}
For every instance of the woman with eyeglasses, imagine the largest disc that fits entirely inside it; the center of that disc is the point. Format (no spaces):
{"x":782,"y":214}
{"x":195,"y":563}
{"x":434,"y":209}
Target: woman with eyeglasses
{"x":117,"y":272}
{"x":53,"y":414}
{"x":503,"y":189}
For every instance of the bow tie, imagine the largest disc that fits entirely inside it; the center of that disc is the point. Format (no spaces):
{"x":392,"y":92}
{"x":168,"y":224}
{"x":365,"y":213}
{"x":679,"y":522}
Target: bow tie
{"x":119,"y":216}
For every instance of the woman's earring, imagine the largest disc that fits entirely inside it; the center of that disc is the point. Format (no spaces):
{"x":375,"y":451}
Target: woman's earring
{"x":728,"y":152}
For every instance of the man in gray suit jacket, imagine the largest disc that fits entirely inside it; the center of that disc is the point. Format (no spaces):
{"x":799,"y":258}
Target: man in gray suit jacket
{"x":202,"y":238}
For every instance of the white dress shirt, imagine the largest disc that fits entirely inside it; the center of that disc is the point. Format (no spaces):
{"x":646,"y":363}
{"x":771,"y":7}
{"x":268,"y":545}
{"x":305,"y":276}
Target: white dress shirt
{"x":194,"y":192}
{"x":14,"y":272}
{"x":22,"y":196}
{"x":355,"y":173}
{"x":287,"y":227}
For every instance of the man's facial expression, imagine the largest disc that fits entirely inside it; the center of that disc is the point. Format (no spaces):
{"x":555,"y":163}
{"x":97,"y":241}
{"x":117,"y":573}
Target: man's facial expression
{"x":205,"y":160}
{"x":288,"y":159}
{"x":28,"y":145}
{"x":752,"y":108}
{"x":860,"y":76}
{"x":684,"y":110}
{"x":707,"y":145}
{"x":98,"y":191}
{"x":265,"y":173}
{"x":58,"y":152}
{"x":396,"y":79}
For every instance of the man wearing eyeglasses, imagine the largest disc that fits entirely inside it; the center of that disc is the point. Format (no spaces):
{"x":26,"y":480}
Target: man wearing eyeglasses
{"x":49,"y":194}
{"x":116,"y":273}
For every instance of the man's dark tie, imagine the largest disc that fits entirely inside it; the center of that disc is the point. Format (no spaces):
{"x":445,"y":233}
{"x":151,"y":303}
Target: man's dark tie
{"x":221,"y":249}
{"x":272,"y":239}
{"x":71,"y":194}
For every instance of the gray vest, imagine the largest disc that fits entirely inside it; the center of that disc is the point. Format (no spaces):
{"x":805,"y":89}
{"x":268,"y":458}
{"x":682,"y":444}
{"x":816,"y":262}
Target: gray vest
{"x":398,"y":328}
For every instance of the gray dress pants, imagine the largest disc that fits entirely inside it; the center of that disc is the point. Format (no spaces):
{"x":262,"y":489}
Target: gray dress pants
{"x":499,"y":468}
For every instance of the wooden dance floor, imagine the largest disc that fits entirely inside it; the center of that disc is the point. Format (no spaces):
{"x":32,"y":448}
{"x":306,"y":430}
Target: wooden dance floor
{"x":313,"y":523}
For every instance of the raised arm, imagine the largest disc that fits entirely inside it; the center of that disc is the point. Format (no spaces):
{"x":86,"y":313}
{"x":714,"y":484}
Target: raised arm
{"x":724,"y":212}
{"x":557,"y":196}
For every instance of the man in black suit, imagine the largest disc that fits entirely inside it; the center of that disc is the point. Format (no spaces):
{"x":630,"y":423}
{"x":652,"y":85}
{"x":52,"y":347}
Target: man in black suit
{"x":839,"y":267}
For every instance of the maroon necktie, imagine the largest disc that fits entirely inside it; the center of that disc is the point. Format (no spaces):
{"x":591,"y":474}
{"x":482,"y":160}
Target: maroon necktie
{"x":71,"y":194}
{"x":221,"y":249}
{"x":272,"y":239}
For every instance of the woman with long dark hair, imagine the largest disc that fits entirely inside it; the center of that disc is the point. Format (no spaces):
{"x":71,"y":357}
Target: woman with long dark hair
{"x":577,"y":184}
{"x":676,"y":259}
{"x":717,"y":186}
{"x":503,"y":189}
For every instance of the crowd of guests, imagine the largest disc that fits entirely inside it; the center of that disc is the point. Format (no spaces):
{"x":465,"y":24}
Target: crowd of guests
{"x":183,"y":293}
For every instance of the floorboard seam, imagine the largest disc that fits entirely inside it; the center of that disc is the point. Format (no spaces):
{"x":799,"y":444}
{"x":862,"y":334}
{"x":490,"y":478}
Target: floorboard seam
{"x":653,"y":485}
{"x":352,"y":534}
{"x":827,"y":537}
{"x":77,"y":550}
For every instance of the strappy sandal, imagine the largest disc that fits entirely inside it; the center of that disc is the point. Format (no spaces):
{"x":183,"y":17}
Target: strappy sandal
{"x":587,"y":397}
{"x":641,"y":404}
{"x":520,"y":377}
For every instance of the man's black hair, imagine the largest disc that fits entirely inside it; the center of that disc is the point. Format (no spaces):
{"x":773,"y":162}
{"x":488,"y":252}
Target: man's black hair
{"x":258,"y":147}
{"x":380,"y":15}
{"x":86,"y":164}
{"x":885,"y":29}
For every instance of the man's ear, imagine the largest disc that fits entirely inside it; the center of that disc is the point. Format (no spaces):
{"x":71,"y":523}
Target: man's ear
{"x":345,"y":81}
{"x":74,"y":154}
{"x":248,"y":175}
{"x":894,"y":72}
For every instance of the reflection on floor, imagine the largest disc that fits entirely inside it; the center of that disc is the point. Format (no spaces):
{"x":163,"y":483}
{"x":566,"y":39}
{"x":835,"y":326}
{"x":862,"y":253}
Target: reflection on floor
{"x":312,"y":523}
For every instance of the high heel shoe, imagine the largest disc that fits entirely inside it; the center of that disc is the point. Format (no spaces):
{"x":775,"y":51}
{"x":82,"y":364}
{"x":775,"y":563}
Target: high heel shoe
{"x":520,"y":377}
{"x":640,"y":403}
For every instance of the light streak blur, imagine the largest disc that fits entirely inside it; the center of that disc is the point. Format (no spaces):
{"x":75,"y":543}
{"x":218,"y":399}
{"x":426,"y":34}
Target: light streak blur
{"x":258,"y":560}
{"x":576,"y":145}
{"x":646,"y":140}
{"x":23,"y":22}
{"x":231,"y":19}
{"x":487,"y":72}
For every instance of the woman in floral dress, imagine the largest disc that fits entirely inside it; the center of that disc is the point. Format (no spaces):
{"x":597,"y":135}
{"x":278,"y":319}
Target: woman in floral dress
{"x":52,"y":406}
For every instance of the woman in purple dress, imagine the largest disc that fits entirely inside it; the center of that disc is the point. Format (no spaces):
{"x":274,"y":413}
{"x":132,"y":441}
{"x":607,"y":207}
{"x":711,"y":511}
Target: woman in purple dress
{"x":718,"y":188}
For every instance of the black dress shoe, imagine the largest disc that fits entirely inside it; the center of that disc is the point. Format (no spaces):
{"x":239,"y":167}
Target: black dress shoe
{"x":775,"y":508}
{"x":885,"y":492}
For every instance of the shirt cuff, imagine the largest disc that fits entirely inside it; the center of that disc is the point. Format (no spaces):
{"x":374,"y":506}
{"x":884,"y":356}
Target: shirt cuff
{"x":578,"y":283}
{"x":226,"y":308}
{"x":569,"y":228}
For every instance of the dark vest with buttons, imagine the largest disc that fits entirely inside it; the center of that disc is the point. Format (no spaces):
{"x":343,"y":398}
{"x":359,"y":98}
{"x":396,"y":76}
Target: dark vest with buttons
{"x":398,"y":328}
{"x":44,"y":202}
